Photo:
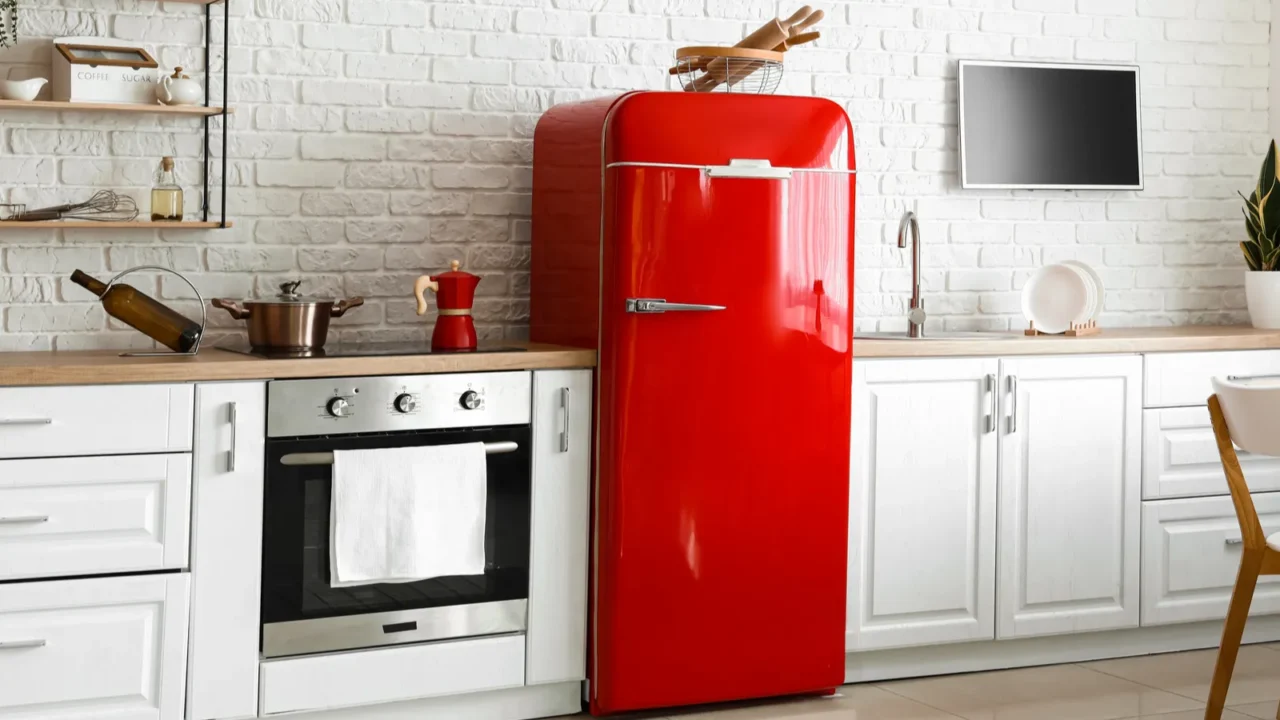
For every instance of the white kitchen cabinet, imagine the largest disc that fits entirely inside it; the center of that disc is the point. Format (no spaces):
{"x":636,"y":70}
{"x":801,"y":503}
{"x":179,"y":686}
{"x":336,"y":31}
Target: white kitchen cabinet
{"x":562,"y":436}
{"x":1070,"y":494}
{"x":226,"y":550}
{"x":37,"y":422}
{"x":93,"y":649}
{"x":93,"y":515}
{"x":1180,"y":457}
{"x":922,"y":505}
{"x":1183,"y":379}
{"x":1190,"y":555}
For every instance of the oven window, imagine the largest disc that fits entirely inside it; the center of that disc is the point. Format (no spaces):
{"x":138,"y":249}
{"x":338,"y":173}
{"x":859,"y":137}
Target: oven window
{"x":295,"y":568}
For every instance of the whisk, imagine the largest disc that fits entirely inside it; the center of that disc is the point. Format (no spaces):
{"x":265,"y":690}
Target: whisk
{"x":104,"y":206}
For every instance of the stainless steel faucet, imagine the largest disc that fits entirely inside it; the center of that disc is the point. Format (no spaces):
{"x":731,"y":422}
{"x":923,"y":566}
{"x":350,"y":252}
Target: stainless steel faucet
{"x":915,"y":312}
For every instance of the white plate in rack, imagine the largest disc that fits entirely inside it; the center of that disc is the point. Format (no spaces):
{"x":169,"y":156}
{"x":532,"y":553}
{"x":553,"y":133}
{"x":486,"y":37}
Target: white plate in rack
{"x":1055,"y":297}
{"x":1096,"y":281}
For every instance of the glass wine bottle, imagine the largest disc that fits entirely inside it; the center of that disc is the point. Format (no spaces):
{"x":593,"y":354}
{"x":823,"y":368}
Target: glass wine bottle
{"x":140,"y":312}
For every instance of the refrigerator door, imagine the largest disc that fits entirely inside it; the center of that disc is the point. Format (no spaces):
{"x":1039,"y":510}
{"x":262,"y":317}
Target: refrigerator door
{"x":722,"y":505}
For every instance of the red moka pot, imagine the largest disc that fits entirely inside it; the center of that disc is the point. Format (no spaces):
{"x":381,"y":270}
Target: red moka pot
{"x":455,"y":294}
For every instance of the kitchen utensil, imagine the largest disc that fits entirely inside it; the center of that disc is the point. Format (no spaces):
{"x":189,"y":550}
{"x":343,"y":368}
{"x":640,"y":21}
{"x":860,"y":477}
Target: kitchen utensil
{"x":1096,"y":281}
{"x":10,"y":211}
{"x":146,"y":315}
{"x":25,"y":90}
{"x":179,"y":89}
{"x":798,"y":28}
{"x":288,"y":322}
{"x":739,"y":70}
{"x":1054,"y":298}
{"x":766,"y":37}
{"x":795,"y":40}
{"x":102,"y":70}
{"x":455,"y":293}
{"x":796,"y":18}
{"x":104,"y":206}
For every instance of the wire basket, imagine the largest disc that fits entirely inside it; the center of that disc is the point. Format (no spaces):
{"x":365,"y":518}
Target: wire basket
{"x":728,"y":69}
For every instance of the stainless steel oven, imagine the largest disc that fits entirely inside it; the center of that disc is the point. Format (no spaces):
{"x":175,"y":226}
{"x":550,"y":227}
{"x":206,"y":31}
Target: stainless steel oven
{"x":307,"y":420}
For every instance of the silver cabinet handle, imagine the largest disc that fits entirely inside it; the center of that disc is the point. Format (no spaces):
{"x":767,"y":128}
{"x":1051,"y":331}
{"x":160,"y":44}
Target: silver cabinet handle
{"x":231,"y":453}
{"x":1235,"y":540}
{"x":1013,"y":404}
{"x":991,"y":412}
{"x":660,"y":305}
{"x":22,"y":644}
{"x":564,"y":427}
{"x":24,"y":520}
{"x":26,"y":421}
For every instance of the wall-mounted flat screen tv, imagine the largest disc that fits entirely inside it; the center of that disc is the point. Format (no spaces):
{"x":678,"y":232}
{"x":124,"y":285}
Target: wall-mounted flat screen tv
{"x":1050,"y":126}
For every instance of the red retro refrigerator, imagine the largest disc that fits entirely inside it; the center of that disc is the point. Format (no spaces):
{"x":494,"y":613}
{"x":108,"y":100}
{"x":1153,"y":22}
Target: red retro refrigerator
{"x":703,"y":244}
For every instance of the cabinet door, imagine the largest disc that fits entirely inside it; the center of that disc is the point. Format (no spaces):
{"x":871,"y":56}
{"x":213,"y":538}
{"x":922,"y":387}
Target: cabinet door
{"x":922,"y":503}
{"x":226,"y":550}
{"x":562,"y":436}
{"x":1070,"y":494}
{"x":1180,"y":457}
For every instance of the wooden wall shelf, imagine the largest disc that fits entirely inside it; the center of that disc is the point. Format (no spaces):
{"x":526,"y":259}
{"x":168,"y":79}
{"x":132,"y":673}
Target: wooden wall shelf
{"x":195,"y":2}
{"x":193,"y":110}
{"x":130,"y":225}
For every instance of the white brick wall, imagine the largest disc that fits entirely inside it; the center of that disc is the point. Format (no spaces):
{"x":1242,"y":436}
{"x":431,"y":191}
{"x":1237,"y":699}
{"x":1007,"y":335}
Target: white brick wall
{"x":376,"y":139}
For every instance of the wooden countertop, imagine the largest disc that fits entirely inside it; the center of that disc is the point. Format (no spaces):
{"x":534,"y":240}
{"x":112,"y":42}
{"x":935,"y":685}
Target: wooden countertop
{"x":107,"y":367}
{"x":1188,"y":338}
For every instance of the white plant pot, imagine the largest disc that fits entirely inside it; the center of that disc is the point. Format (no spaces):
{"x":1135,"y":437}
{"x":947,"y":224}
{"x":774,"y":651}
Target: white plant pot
{"x":1262,"y":293}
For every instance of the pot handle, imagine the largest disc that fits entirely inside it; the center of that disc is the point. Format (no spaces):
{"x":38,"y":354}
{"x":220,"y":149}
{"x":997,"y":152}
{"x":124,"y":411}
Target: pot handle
{"x":420,"y":288}
{"x":232,"y":307}
{"x":341,"y":307}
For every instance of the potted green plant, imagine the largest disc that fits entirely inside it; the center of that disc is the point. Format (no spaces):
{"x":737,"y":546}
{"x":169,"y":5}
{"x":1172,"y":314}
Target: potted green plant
{"x":8,"y":23}
{"x":1262,"y":249}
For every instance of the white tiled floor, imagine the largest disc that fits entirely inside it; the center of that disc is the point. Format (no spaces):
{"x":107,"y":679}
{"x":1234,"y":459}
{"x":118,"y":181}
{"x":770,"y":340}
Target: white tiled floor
{"x":1163,"y":687}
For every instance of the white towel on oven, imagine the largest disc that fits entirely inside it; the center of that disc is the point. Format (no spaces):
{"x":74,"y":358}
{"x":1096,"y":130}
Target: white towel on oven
{"x":406,"y":514}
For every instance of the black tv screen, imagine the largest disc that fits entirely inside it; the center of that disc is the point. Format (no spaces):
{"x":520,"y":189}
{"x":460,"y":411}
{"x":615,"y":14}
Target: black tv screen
{"x":1050,"y":126}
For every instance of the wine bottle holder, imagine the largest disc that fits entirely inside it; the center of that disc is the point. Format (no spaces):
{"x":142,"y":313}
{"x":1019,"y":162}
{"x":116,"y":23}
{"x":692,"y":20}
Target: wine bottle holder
{"x":204,"y":311}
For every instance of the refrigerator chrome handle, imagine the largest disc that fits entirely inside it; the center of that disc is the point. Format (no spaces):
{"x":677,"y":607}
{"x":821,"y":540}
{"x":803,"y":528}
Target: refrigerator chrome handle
{"x":660,"y":305}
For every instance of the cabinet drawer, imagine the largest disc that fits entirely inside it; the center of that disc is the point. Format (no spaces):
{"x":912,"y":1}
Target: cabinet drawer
{"x":1180,"y":457}
{"x":1182,"y":379}
{"x":110,"y":648}
{"x":1190,"y":554}
{"x":83,"y":516}
{"x":94,"y":420}
{"x":390,"y":674}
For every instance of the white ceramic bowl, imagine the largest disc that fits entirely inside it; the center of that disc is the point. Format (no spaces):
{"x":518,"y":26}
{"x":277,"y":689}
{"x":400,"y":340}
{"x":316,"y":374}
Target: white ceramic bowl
{"x":21,"y":89}
{"x":1096,"y":281}
{"x":1055,"y":297}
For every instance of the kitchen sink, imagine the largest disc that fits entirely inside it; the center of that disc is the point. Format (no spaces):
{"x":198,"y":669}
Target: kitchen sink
{"x":902,"y":335}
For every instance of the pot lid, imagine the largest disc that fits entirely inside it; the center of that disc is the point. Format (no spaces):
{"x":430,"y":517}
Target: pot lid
{"x":288,"y":295}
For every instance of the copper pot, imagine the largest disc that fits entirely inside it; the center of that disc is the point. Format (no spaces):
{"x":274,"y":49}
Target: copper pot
{"x":288,"y":322}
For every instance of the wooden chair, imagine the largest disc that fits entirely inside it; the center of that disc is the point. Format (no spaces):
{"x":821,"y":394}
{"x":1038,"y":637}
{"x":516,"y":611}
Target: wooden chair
{"x":1242,"y":406}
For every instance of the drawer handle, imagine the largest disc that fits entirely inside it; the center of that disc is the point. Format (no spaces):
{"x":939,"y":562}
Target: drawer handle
{"x":1234,"y":540}
{"x":24,"y":520}
{"x":564,"y":429}
{"x":25,"y":421}
{"x":22,"y":644}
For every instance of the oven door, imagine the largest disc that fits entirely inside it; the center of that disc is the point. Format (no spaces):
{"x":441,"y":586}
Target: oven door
{"x":302,"y":613}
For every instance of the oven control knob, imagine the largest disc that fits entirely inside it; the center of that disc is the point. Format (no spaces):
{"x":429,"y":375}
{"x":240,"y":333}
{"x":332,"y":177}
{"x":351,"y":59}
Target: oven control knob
{"x":471,"y":400}
{"x":405,"y":403}
{"x":338,"y":407}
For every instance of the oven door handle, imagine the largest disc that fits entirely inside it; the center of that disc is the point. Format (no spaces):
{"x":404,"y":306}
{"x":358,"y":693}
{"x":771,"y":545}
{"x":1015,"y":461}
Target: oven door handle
{"x":326,"y":458}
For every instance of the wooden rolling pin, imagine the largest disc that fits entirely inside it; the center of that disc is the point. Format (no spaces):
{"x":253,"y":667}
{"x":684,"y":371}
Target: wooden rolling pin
{"x":760,"y":39}
{"x":767,"y":37}
{"x":795,"y":40}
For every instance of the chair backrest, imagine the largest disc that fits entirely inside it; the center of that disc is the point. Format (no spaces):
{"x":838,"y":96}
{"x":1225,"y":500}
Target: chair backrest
{"x":1250,"y":528}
